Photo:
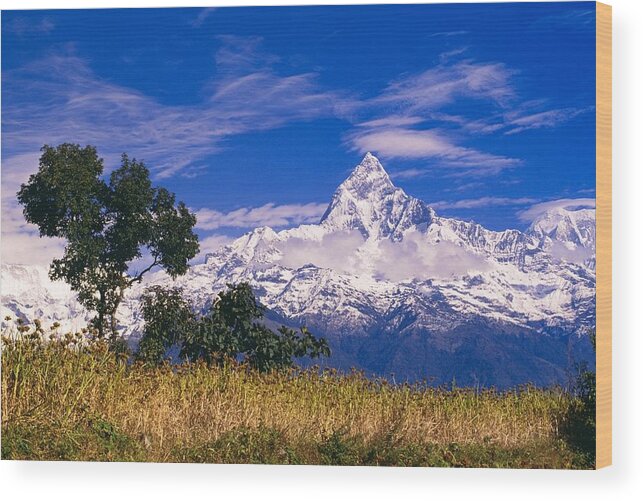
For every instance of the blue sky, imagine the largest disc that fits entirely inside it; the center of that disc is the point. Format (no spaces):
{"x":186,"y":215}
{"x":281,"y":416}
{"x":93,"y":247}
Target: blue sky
{"x":254,"y":115}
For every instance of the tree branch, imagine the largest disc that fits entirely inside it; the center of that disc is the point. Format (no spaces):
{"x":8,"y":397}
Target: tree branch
{"x":138,"y":278}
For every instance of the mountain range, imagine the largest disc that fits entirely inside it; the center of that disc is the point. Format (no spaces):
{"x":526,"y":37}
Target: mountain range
{"x":398,"y":290}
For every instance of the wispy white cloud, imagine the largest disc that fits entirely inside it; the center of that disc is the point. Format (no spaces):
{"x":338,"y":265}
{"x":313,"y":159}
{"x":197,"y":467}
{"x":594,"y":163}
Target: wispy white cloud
{"x":22,"y":26}
{"x":445,"y":83}
{"x":60,"y":99}
{"x":202,"y":16}
{"x":267,"y":215}
{"x":449,"y":33}
{"x":523,"y":116}
{"x":428,"y":144}
{"x":391,"y":121}
{"x":545,"y":119}
{"x":411,"y":116}
{"x":450,"y":54}
{"x":242,"y":54}
{"x":475,"y":203}
{"x":537,"y":210}
{"x":576,"y":20}
{"x":409,"y":173}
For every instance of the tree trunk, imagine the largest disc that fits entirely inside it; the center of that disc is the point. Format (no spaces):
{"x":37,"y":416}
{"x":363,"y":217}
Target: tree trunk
{"x":100,"y":323}
{"x":101,"y":315}
{"x":112,"y":316}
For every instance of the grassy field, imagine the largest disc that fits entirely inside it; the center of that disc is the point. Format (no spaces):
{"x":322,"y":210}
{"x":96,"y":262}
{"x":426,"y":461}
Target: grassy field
{"x":69,"y":400}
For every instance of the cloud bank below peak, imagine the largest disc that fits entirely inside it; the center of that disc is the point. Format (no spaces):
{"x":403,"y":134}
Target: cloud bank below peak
{"x":412,"y":258}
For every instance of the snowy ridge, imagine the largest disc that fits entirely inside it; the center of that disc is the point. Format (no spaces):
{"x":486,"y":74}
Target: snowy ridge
{"x":387,"y":279}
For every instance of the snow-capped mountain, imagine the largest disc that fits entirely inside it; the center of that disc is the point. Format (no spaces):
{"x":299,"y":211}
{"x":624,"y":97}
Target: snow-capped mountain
{"x":396,"y":287}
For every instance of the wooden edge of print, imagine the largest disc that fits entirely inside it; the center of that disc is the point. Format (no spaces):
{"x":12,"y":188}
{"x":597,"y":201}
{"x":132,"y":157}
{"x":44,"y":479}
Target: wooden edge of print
{"x":604,"y":235}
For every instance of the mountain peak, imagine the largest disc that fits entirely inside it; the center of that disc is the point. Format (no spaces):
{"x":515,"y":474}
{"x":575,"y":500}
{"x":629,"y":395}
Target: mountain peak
{"x":568,"y":225}
{"x":368,"y":178}
{"x":368,"y":201}
{"x":363,"y":190}
{"x":372,"y":164}
{"x":371,"y":160}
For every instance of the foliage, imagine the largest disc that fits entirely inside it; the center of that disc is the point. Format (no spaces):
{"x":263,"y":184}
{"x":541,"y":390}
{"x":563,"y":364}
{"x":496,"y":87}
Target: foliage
{"x":232,"y":330}
{"x":339,"y":449}
{"x":580,"y":424}
{"x":168,"y":318}
{"x":70,"y":398}
{"x":244,"y":445}
{"x":106,"y":225}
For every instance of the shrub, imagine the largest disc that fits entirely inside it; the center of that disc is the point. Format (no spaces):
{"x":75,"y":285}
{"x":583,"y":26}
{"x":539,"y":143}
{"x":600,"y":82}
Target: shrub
{"x":168,"y":317}
{"x":231,"y":330}
{"x":580,"y":426}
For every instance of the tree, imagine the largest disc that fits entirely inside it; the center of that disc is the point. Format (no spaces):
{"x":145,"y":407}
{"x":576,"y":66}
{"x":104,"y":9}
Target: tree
{"x":231,"y":330}
{"x":107,"y":225}
{"x":168,"y":319}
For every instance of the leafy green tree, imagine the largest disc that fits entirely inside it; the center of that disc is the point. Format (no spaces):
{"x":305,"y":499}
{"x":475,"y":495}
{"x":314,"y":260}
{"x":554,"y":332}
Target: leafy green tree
{"x":168,"y":319}
{"x":107,"y":225}
{"x":232,"y":329}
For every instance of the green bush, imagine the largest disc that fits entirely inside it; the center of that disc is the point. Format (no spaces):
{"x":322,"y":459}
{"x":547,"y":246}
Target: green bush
{"x":580,"y":424}
{"x":231,"y":330}
{"x":243,"y":446}
{"x":339,"y":449}
{"x":168,"y":318}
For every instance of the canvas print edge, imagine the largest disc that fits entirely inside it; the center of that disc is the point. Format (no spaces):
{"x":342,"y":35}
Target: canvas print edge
{"x":604,"y":235}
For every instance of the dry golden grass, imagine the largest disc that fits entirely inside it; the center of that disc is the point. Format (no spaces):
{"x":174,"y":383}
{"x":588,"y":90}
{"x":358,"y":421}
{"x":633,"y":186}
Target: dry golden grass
{"x":64,"y":384}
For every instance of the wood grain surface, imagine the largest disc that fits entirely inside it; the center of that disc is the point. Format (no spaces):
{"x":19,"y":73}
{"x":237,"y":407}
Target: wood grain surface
{"x":604,"y":235}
